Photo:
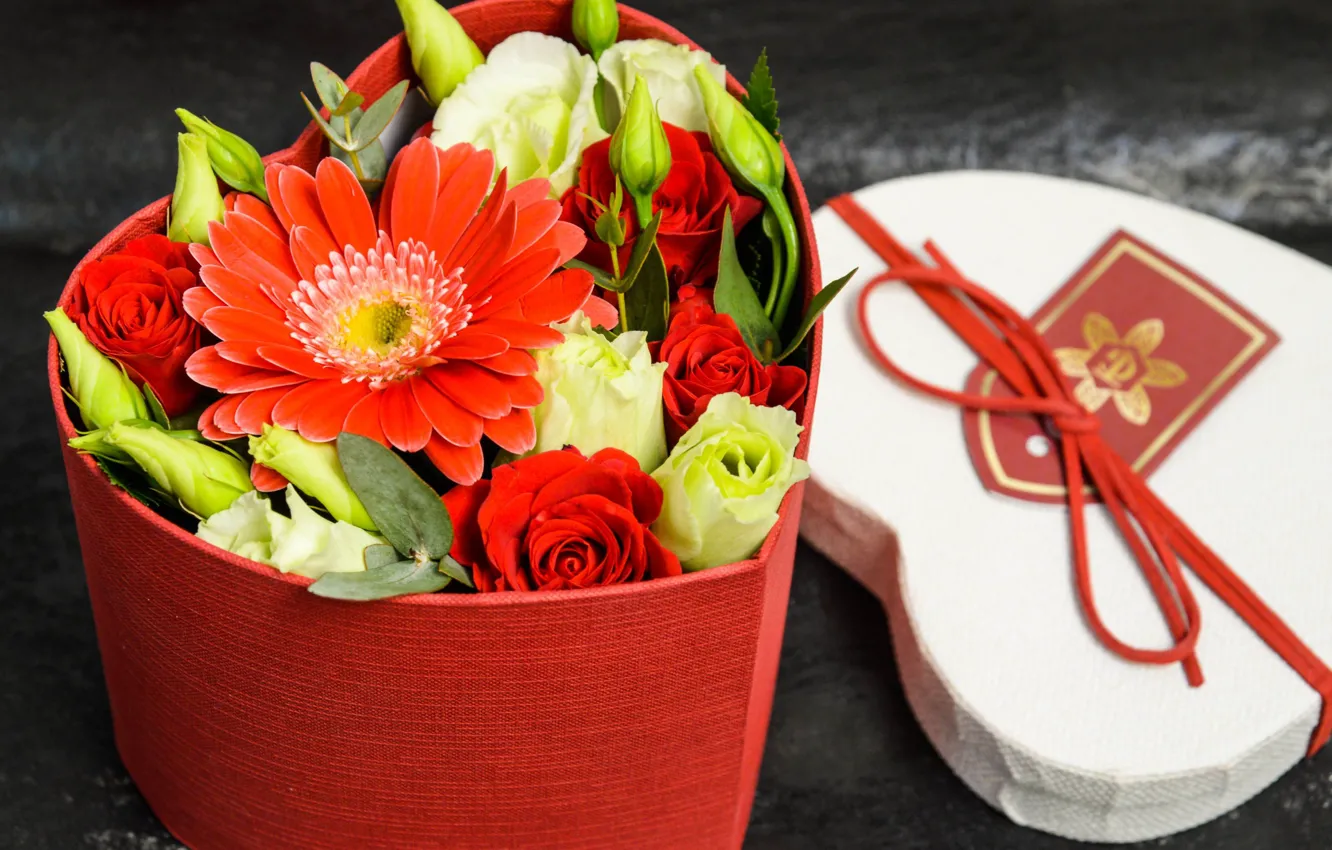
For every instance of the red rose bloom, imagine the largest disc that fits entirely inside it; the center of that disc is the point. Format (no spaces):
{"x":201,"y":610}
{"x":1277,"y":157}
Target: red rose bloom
{"x":128,"y":305}
{"x":706,"y":356}
{"x":558,"y":520}
{"x":692,"y":201}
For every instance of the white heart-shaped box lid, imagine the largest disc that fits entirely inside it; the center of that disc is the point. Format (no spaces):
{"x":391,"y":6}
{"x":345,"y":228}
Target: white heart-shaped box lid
{"x":997,"y":660}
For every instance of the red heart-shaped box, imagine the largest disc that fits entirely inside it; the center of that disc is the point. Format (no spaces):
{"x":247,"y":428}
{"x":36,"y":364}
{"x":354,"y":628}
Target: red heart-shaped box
{"x":252,"y":714}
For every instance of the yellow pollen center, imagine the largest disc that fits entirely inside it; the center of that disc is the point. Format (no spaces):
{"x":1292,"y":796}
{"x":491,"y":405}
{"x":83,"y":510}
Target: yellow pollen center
{"x":377,"y":327}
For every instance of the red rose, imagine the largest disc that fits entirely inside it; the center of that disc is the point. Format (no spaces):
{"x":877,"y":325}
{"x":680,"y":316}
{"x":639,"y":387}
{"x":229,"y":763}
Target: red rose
{"x":129,"y":306}
{"x":692,"y":201}
{"x":558,"y":520}
{"x":706,"y":356}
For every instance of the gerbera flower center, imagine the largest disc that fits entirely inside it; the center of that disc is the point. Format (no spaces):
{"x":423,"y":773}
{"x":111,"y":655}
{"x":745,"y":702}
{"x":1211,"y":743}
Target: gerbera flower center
{"x":381,"y":315}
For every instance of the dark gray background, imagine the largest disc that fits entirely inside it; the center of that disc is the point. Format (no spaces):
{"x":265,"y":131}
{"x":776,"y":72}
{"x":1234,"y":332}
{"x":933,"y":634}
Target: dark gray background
{"x":1221,"y":105}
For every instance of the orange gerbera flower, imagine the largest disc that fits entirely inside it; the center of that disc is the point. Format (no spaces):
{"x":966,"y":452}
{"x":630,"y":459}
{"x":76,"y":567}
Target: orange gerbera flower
{"x":412,"y":330}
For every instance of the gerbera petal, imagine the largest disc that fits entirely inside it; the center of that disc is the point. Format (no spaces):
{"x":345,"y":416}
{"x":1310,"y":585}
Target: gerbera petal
{"x":310,"y":248}
{"x":363,"y":418}
{"x":460,"y":464}
{"x":296,"y":360}
{"x":515,"y":361}
{"x":414,"y":192}
{"x":404,"y":424}
{"x":519,"y":277}
{"x":531,"y":192}
{"x":238,"y":257}
{"x":257,"y":409}
{"x":524,"y":390}
{"x":244,"y":352}
{"x":274,"y":187}
{"x":197,"y":300}
{"x":534,"y":220}
{"x":300,"y":197}
{"x":480,"y":225}
{"x":237,"y":290}
{"x":345,"y":206}
{"x":473,"y":345}
{"x":519,"y":334}
{"x":218,"y":421}
{"x":472,"y":387}
{"x":493,"y":250}
{"x":260,"y":212}
{"x":455,"y":424}
{"x":325,"y":411}
{"x":599,"y":311}
{"x":207,"y":367}
{"x":267,"y":480}
{"x":459,"y":200}
{"x":203,"y":255}
{"x":270,"y":247}
{"x":386,"y":193}
{"x":558,"y":297}
{"x":235,"y":323}
{"x":515,"y":432}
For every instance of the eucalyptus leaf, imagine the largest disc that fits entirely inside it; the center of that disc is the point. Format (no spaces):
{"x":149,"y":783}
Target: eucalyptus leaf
{"x":350,"y":101}
{"x":600,"y":277}
{"x":397,"y":579}
{"x":648,"y":301}
{"x":334,"y":137}
{"x":373,"y":165}
{"x":817,"y":305}
{"x":380,"y":556}
{"x":734,"y":295}
{"x":155,"y":409}
{"x":377,"y":116}
{"x":456,"y":571}
{"x":643,"y":245}
{"x":403,"y":507}
{"x":328,"y":85}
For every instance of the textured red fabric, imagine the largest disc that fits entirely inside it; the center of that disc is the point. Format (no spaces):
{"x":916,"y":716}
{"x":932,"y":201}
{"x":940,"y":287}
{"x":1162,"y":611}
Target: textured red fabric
{"x":256,"y":716}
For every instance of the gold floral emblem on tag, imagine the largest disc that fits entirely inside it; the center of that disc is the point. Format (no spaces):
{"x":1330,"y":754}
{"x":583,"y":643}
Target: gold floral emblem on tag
{"x":1119,"y":368}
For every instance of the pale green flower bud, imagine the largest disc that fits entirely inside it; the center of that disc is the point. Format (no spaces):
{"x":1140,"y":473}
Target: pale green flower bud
{"x":305,"y":544}
{"x":750,"y":153}
{"x":314,"y":469}
{"x":101,"y":389}
{"x":601,"y":394}
{"x":596,"y":24}
{"x":233,"y":159}
{"x":639,"y":151}
{"x":725,"y":480}
{"x":442,"y":53}
{"x":205,"y":480}
{"x":196,"y":200}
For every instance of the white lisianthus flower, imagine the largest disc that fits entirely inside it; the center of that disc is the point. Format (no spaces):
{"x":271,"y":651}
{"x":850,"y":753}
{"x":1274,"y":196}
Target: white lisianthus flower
{"x":601,"y":394}
{"x":305,"y":543}
{"x":668,"y":70}
{"x":531,"y":104}
{"x":724,"y":481}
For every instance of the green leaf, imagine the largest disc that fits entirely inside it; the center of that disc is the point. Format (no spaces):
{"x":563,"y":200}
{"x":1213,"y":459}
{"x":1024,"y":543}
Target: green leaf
{"x":610,"y":229}
{"x":378,"y":116}
{"x":380,"y":556}
{"x":643,"y":244}
{"x":403,"y":507}
{"x":132,"y":481}
{"x":328,"y":85}
{"x":334,"y":137}
{"x":373,"y":164}
{"x":456,"y":571}
{"x":761,"y":101}
{"x":155,"y":409}
{"x":648,"y":302}
{"x":601,"y":277}
{"x":734,"y":295}
{"x":397,"y":579}
{"x":817,"y":305}
{"x":350,"y":101}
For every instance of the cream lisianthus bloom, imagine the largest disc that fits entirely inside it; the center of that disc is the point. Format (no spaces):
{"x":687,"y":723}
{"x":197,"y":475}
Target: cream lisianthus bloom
{"x":668,"y":70}
{"x":601,"y":394}
{"x":531,"y":104}
{"x":724,"y":481}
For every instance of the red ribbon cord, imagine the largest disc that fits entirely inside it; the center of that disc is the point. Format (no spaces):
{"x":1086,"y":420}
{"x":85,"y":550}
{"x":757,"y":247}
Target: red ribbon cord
{"x":1159,"y":540}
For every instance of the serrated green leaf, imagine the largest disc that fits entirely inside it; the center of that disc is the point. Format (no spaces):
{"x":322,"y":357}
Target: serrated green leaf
{"x":456,"y":571}
{"x":398,"y":579}
{"x":380,"y":556}
{"x":761,"y":100}
{"x":404,"y":508}
{"x":155,"y":409}
{"x":377,"y":116}
{"x":351,"y":100}
{"x":600,"y":277}
{"x":648,"y":301}
{"x":643,"y":245}
{"x":734,"y":295}
{"x":334,"y":137}
{"x":328,"y":85}
{"x":817,"y":305}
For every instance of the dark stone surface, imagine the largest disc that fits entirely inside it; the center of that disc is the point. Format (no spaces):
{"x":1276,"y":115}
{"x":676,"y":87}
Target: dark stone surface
{"x":1222,"y":105}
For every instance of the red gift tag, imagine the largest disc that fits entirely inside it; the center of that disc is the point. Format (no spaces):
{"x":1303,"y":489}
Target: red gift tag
{"x":1147,"y":345}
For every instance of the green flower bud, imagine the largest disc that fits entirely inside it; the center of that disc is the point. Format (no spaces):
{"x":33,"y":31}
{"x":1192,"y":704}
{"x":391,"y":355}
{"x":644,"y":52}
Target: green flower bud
{"x":596,"y":24}
{"x":314,"y":469}
{"x":639,"y":151}
{"x":101,"y":389}
{"x":233,"y":159}
{"x":749,"y":152}
{"x":205,"y":480}
{"x":442,"y":53}
{"x":196,"y":200}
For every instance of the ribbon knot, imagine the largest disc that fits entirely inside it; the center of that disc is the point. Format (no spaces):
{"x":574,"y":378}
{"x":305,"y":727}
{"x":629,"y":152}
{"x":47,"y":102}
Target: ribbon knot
{"x":1158,"y":539}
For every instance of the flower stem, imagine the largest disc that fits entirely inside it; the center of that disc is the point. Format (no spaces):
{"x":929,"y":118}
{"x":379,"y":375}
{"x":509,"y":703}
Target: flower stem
{"x":643,"y":205}
{"x":772,"y":228}
{"x":624,"y":312}
{"x":782,"y":211}
{"x":355,"y":158}
{"x":619,"y":293}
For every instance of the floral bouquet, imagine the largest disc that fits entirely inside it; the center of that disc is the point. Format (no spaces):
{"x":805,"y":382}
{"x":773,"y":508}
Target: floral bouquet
{"x":558,"y":340}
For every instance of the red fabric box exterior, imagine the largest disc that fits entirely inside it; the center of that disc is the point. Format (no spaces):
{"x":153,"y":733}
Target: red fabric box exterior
{"x":255,"y":716}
